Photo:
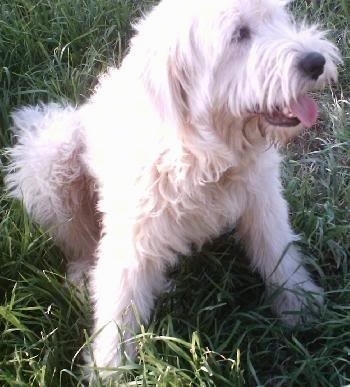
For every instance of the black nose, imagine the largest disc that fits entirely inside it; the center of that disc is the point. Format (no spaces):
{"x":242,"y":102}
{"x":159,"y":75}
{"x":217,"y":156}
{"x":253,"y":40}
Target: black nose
{"x":312,"y":64}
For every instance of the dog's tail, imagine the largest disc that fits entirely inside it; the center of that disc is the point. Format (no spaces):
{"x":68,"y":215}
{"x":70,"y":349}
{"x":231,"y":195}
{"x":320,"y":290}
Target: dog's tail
{"x":44,"y":160}
{"x":47,"y":174}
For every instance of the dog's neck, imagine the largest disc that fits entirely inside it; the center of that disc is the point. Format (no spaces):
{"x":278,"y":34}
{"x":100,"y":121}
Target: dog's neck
{"x":209,"y":149}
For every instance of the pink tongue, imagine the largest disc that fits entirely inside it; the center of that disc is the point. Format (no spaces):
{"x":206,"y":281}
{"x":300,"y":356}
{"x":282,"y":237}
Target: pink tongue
{"x":306,"y":109}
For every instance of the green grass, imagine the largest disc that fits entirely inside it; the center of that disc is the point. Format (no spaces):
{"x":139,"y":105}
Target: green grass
{"x":215,"y":328}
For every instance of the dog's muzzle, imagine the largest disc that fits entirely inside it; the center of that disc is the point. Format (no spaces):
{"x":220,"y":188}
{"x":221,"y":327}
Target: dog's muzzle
{"x":304,"y":110}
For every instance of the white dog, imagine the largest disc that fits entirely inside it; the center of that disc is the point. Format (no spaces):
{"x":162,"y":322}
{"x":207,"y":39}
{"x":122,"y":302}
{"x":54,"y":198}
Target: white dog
{"x":175,"y":147}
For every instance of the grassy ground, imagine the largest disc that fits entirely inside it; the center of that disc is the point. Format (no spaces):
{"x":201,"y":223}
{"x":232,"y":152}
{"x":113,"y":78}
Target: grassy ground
{"x":215,"y":328}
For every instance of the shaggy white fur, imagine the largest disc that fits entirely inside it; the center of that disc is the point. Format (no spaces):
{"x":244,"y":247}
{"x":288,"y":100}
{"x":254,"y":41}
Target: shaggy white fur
{"x":175,"y":147}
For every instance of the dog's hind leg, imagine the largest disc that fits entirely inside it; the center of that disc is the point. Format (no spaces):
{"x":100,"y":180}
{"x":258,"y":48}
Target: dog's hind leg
{"x":46,"y":173}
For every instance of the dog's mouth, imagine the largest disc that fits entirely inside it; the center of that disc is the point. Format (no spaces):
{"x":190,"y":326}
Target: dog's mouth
{"x":303,"y":111}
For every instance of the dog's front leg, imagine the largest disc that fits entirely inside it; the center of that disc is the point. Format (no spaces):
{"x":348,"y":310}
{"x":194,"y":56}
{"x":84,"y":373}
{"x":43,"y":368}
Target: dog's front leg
{"x":124,"y":287}
{"x":265,"y":230}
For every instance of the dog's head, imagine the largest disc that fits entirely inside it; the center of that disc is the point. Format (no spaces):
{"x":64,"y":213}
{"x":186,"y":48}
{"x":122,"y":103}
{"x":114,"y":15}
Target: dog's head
{"x":246,"y":58}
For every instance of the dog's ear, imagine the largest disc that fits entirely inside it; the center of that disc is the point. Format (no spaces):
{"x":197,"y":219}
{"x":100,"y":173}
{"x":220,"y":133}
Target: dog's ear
{"x":163,"y":71}
{"x":165,"y":62}
{"x":166,"y":81}
{"x":178,"y":87}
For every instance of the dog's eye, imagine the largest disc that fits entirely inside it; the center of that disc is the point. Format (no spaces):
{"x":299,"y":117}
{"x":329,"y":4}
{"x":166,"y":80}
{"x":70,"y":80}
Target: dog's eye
{"x":243,"y":33}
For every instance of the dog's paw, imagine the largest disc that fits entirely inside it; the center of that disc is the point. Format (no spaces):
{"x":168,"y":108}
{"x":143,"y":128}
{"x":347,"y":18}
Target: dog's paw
{"x":108,"y":354}
{"x":298,"y":304}
{"x":101,"y":366}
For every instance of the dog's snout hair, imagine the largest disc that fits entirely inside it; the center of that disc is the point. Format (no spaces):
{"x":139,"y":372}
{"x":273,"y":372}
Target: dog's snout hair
{"x":312,"y":64}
